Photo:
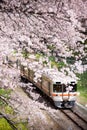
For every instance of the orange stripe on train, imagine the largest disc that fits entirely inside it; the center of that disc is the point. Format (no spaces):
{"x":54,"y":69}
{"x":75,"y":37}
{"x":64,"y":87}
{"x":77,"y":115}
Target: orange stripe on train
{"x":64,"y":94}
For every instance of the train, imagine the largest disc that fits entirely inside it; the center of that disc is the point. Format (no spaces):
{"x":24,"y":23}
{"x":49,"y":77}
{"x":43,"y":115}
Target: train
{"x":61,"y":88}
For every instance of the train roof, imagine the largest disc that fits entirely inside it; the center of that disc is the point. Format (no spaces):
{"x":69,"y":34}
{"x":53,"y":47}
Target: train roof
{"x":57,"y":76}
{"x":52,"y":74}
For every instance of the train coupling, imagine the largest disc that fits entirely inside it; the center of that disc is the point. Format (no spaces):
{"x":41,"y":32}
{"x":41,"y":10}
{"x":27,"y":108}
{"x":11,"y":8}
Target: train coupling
{"x":68,"y":104}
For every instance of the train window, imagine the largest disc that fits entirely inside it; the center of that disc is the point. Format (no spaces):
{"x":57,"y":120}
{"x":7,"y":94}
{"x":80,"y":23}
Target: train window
{"x":74,"y":87}
{"x":59,"y":88}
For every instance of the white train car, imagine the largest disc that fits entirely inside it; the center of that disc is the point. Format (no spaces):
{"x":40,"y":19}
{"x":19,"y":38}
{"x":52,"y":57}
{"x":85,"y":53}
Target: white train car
{"x":62,"y":89}
{"x":59,"y":87}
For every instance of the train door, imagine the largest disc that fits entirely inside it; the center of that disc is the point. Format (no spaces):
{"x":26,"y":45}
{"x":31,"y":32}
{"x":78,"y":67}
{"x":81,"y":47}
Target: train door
{"x":65,"y":93}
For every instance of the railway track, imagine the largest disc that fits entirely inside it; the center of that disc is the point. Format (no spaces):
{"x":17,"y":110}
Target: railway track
{"x":76,"y":119}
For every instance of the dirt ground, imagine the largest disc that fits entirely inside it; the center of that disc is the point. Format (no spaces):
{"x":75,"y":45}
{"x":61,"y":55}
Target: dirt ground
{"x":37,"y":118}
{"x":33,"y":108}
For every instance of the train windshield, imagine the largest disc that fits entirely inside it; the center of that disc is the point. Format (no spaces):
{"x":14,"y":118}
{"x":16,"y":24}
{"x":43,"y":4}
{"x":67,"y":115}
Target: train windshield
{"x":72,"y":87}
{"x":59,"y":88}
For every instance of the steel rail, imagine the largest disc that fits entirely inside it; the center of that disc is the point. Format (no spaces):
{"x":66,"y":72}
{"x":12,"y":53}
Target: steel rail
{"x":76,"y":119}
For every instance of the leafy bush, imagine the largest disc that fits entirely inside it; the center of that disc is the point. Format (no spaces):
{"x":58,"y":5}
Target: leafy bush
{"x":71,"y":60}
{"x":45,"y":62}
{"x":82,"y":86}
{"x":83,"y":80}
{"x":51,"y":47}
{"x":61,"y":64}
{"x":52,"y":58}
{"x":76,"y":53}
{"x":15,"y":51}
{"x":84,"y":43}
{"x":84,"y":60}
{"x":25,"y":53}
{"x":38,"y":55}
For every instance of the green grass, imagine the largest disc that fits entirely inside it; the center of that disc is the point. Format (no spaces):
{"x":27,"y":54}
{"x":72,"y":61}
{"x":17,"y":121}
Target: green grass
{"x":22,"y":126}
{"x":4,"y":125}
{"x":4,"y":108}
{"x":8,"y":110}
{"x":5,"y":93}
{"x":82,"y":88}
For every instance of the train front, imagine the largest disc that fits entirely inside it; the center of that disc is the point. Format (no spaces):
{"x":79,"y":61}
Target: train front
{"x":64,"y":94}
